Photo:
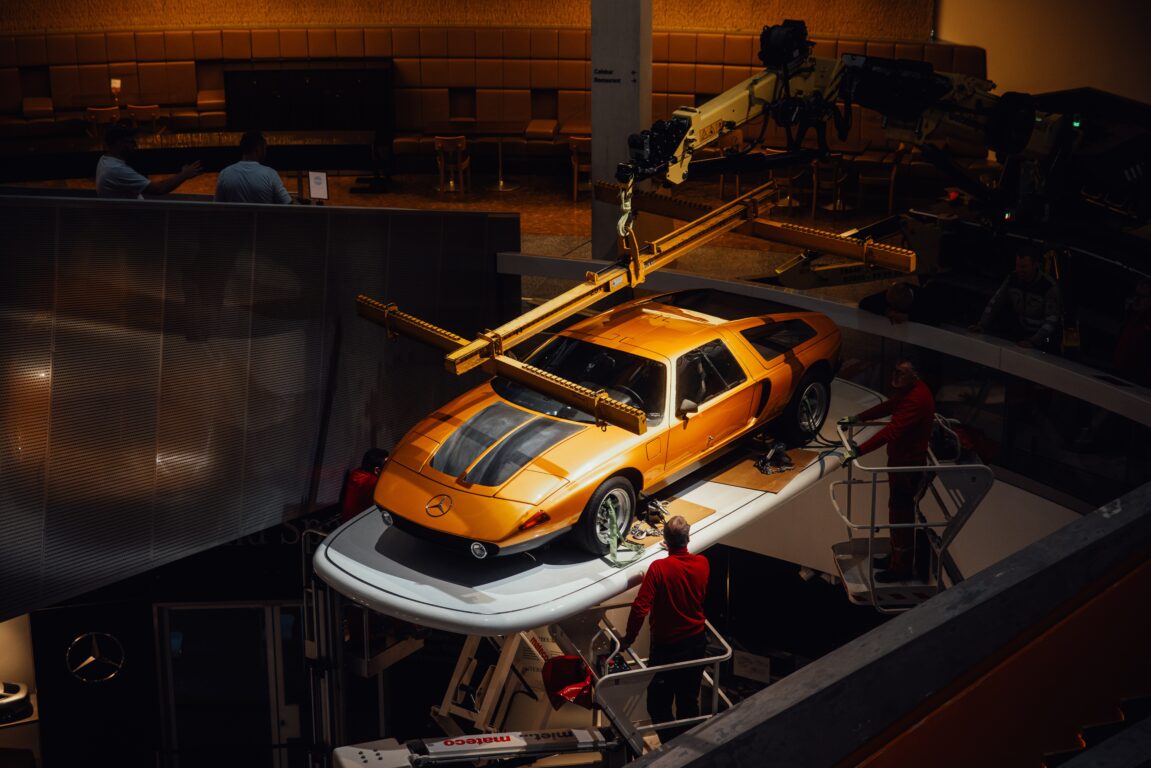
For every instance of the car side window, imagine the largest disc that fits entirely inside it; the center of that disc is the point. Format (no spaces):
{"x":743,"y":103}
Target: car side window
{"x":706,"y":372}
{"x":773,"y":339}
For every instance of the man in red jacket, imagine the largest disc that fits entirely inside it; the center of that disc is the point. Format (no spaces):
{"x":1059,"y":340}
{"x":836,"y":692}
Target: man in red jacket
{"x":672,"y":592}
{"x":912,"y":411}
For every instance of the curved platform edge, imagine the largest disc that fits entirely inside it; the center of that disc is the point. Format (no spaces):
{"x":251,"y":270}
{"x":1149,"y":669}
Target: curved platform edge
{"x":388,"y":571}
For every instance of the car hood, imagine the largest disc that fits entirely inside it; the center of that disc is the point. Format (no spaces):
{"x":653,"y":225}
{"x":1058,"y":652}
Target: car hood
{"x":487,"y":446}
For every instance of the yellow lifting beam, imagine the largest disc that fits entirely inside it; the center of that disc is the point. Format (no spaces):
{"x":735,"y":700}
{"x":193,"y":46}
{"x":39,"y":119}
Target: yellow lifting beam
{"x":488,"y":349}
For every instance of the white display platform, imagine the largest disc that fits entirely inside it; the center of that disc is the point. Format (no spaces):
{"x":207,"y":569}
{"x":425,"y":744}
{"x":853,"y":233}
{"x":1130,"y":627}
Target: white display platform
{"x":393,"y":573}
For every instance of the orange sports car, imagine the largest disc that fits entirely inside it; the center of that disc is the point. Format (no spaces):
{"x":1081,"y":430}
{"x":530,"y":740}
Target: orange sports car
{"x":504,"y":468}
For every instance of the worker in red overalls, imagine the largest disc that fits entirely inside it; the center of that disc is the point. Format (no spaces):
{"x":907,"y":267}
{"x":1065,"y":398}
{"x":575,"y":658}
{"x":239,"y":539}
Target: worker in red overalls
{"x":912,"y":411}
{"x":361,"y":484}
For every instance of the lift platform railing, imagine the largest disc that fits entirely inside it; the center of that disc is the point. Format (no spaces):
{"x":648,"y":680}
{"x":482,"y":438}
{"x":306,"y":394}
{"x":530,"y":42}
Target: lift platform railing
{"x":953,"y":485}
{"x":618,"y":694}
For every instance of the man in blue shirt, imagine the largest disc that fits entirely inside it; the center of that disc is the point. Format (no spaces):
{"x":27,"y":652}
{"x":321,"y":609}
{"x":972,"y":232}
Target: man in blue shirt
{"x":116,"y":178}
{"x":250,"y":181}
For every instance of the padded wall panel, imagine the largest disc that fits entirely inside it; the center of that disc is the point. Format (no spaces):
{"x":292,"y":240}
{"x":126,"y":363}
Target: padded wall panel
{"x":709,"y":79}
{"x":7,"y":51}
{"x":544,"y":43}
{"x":434,"y":72}
{"x":153,"y":82}
{"x":294,"y":43}
{"x":181,"y":82}
{"x":572,"y":73}
{"x":61,"y":49}
{"x":237,"y":44}
{"x":321,"y":43}
{"x":350,"y":43}
{"x":461,"y":43}
{"x":659,"y":77}
{"x":408,"y":114}
{"x":733,"y":76}
{"x":489,"y":73}
{"x":265,"y":44}
{"x":406,"y":42}
{"x":738,"y":50}
{"x":517,"y":43}
{"x":435,"y":106}
{"x":378,"y":42}
{"x":207,"y":44}
{"x":572,"y":44}
{"x":179,"y":44}
{"x":462,"y":73}
{"x":31,"y":50}
{"x":150,"y":46}
{"x":544,"y":74}
{"x":659,"y":46}
{"x":91,"y":48}
{"x":407,"y":72}
{"x":681,"y":47}
{"x":489,"y":43}
{"x":65,"y":84}
{"x":433,"y":41}
{"x":95,"y":88}
{"x":517,"y":73}
{"x":709,"y":48}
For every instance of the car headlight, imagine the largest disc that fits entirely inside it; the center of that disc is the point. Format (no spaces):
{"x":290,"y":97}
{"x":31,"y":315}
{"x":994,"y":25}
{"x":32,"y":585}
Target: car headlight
{"x":479,"y":550}
{"x":387,"y":517}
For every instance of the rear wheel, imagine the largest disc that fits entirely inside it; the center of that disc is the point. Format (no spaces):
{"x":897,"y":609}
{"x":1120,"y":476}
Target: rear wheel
{"x":612,"y":504}
{"x":804,"y":415}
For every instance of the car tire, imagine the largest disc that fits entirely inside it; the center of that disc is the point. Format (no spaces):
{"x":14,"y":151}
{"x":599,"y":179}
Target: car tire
{"x":592,"y":530}
{"x":804,"y":415}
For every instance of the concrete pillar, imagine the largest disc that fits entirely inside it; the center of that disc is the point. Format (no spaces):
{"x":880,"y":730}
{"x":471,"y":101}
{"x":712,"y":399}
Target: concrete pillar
{"x":620,"y":99}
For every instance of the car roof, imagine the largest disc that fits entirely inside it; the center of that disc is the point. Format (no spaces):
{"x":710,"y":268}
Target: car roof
{"x":670,"y":323}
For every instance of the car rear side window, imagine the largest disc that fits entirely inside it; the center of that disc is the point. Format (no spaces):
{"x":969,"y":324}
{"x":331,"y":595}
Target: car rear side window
{"x":707,"y":372}
{"x":773,"y":339}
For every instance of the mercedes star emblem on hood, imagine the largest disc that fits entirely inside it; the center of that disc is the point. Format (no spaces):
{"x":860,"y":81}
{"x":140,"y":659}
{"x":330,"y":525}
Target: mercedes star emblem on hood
{"x":438,"y":506}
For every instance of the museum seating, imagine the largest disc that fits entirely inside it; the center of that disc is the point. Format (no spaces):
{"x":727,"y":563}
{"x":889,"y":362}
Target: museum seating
{"x":528,"y":89}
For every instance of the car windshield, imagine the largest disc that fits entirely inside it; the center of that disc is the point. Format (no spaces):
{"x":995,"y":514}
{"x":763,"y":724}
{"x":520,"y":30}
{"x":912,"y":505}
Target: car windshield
{"x":631,"y":379}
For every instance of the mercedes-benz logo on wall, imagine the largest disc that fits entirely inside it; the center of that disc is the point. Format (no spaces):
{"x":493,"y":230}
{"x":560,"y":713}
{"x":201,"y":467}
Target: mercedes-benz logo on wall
{"x":95,"y":657}
{"x":439,"y":506}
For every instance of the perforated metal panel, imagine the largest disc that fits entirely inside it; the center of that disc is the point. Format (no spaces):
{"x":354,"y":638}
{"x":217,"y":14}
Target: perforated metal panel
{"x":177,"y":375}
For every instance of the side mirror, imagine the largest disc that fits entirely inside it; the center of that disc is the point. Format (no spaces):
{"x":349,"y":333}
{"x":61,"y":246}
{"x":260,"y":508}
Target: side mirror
{"x":687,"y":407}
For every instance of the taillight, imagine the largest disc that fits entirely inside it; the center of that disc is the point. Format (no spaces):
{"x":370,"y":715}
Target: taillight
{"x":537,"y":519}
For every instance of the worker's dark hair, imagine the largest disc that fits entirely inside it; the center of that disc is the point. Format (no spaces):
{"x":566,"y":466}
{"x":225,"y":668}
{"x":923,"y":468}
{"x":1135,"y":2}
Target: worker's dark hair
{"x":251,"y":141}
{"x":910,"y":363}
{"x":374,"y":458}
{"x":676,"y":532}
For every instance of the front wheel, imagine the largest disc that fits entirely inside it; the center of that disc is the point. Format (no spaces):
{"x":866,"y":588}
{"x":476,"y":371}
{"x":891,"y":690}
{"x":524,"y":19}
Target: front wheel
{"x":804,"y":415}
{"x":612,"y":504}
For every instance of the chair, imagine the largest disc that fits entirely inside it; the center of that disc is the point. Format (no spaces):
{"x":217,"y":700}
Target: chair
{"x":788,"y":181}
{"x":146,"y":116}
{"x":729,"y":143}
{"x":581,"y":162}
{"x":454,"y":162}
{"x":828,"y":175}
{"x":99,"y":118}
{"x":877,"y":171}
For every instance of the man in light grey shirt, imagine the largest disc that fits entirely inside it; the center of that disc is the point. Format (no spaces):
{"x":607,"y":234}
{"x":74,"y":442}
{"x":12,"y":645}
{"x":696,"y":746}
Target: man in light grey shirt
{"x":249,"y":181}
{"x":116,"y":178}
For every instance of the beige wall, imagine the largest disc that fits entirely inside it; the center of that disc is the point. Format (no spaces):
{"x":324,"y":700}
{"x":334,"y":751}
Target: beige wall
{"x":898,"y":19}
{"x":1036,"y":46}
